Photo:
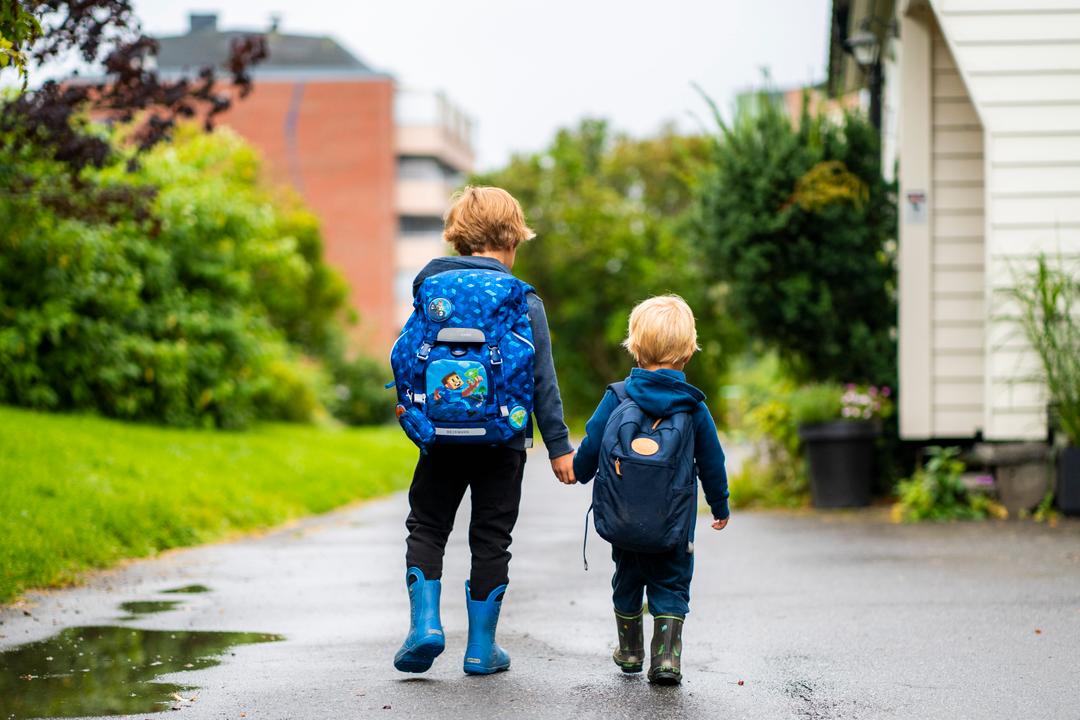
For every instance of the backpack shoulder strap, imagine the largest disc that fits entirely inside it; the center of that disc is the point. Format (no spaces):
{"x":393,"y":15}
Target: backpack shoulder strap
{"x":619,"y":389}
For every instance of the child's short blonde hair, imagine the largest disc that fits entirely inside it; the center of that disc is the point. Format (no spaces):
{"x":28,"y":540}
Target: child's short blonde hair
{"x":485,"y":218}
{"x":662,"y":332}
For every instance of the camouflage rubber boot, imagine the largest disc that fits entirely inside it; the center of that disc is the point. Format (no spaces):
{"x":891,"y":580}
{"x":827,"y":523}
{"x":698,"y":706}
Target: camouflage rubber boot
{"x":666,"y":665}
{"x":630,"y":655}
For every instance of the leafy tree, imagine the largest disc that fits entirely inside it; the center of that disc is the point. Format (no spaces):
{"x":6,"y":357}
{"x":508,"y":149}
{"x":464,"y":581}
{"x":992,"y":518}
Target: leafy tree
{"x":18,"y":28}
{"x":609,"y":214}
{"x":104,"y":33}
{"x":798,"y":222}
{"x":174,"y":302}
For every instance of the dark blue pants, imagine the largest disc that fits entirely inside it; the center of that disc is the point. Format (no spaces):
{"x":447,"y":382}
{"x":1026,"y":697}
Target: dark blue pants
{"x":664,"y":577}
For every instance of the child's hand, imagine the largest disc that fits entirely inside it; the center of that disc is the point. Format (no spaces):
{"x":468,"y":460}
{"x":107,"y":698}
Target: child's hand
{"x":719,"y":524}
{"x":563,"y":467}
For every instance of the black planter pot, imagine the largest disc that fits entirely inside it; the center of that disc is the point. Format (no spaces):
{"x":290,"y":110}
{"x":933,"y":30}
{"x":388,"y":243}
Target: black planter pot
{"x":1068,"y":488}
{"x":841,"y":457}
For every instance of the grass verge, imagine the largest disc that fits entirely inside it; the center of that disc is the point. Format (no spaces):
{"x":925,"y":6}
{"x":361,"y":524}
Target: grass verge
{"x":80,"y":492}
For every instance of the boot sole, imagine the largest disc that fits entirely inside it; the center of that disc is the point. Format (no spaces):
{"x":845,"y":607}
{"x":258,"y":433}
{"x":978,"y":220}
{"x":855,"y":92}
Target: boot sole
{"x":476,"y":670}
{"x":665,"y":677}
{"x":628,"y":668}
{"x":419,"y":658}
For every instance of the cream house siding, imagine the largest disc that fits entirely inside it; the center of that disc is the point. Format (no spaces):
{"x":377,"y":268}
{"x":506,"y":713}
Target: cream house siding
{"x":1001,"y":113}
{"x":957,"y":191}
{"x":1021,"y":61}
{"x":943,"y":306}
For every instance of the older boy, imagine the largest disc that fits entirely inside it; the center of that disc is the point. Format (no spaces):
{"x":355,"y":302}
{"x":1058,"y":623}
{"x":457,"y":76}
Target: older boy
{"x":662,"y":338}
{"x":485,"y":225}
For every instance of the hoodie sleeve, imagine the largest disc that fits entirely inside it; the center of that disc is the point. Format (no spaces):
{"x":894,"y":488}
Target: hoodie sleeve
{"x":547,"y":402}
{"x":588,"y":454}
{"x":709,"y":457}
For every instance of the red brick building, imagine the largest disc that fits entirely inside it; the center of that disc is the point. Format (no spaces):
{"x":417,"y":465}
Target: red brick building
{"x":326,"y":124}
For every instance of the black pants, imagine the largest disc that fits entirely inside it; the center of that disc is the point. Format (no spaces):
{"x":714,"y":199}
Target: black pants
{"x":494,"y":476}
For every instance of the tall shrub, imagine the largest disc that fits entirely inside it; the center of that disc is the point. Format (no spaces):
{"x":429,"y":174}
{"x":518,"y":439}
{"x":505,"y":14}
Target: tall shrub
{"x":1048,"y":299}
{"x":796,"y":219}
{"x":171,"y":293}
{"x":610,"y":216}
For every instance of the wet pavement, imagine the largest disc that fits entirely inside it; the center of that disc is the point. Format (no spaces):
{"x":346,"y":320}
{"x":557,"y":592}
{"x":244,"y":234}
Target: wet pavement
{"x":793,"y":616}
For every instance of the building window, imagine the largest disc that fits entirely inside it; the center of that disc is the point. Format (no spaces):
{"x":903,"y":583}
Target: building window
{"x":420,"y":168}
{"x":420,"y":225}
{"x":412,"y":167}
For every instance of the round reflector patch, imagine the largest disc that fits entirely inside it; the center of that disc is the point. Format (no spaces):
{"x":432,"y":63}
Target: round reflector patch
{"x":439,"y":309}
{"x":517,"y":417}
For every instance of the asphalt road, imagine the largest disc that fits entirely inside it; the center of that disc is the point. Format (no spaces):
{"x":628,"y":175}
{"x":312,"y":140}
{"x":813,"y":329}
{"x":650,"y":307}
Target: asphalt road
{"x":818,"y":616}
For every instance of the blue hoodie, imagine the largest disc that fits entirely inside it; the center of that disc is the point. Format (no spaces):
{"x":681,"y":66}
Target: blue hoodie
{"x":662,"y":393}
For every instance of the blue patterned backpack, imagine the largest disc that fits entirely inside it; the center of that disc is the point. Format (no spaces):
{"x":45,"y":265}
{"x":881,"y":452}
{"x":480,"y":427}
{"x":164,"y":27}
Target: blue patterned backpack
{"x":463,"y":364}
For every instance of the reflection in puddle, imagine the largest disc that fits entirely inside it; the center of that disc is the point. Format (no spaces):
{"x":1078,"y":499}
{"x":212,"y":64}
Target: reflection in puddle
{"x":106,"y":670}
{"x":188,"y":590}
{"x":136,"y":608}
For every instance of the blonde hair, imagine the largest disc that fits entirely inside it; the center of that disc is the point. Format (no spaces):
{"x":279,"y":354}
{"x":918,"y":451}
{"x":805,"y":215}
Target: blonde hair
{"x":485,"y":218}
{"x":662,"y":332}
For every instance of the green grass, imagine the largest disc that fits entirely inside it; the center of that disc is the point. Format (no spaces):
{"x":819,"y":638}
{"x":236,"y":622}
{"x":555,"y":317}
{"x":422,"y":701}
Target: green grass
{"x":79,"y":492}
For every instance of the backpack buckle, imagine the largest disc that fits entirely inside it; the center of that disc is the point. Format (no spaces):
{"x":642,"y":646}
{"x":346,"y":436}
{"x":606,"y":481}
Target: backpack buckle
{"x":423,"y":352}
{"x":496,"y":355}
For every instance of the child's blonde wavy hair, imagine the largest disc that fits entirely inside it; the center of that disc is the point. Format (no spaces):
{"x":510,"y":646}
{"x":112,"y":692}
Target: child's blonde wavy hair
{"x":662,"y":332}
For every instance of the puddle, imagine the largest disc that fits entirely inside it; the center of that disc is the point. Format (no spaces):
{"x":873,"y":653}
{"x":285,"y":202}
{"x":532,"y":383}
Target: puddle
{"x":94,"y":671}
{"x":187,"y":590}
{"x":137,"y":608}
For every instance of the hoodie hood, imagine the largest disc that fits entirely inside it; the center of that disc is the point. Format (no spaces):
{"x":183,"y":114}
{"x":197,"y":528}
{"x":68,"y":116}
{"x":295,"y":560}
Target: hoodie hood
{"x":464,"y":262}
{"x":663,"y":392}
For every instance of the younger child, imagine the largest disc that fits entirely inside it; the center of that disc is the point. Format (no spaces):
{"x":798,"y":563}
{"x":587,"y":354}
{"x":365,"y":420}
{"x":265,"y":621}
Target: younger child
{"x":662,"y":338}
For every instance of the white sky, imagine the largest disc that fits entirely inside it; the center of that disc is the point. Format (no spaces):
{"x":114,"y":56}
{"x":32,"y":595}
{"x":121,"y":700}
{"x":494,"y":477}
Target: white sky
{"x":521,"y":69}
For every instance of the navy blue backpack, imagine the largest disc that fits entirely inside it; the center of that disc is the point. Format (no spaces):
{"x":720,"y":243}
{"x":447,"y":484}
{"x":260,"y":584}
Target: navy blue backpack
{"x":645,"y":491}
{"x":463,"y":364}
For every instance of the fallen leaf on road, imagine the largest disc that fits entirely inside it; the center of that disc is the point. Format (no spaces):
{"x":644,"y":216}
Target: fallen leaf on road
{"x":385,"y":707}
{"x":741,"y":682}
{"x":1038,"y":631}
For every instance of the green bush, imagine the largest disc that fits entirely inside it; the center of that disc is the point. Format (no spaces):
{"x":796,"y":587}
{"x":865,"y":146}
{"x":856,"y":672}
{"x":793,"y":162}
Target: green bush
{"x":816,"y":403}
{"x":1048,"y":298}
{"x":774,"y":475}
{"x":796,"y":219}
{"x":936,"y":492}
{"x":181,"y":292}
{"x":359,"y":396}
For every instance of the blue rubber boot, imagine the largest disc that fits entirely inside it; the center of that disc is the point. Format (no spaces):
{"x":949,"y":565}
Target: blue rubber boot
{"x":425,"y":641}
{"x":483,"y":656}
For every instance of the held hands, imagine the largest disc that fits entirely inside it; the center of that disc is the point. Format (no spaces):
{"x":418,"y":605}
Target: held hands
{"x":563,"y":467}
{"x":719,"y":524}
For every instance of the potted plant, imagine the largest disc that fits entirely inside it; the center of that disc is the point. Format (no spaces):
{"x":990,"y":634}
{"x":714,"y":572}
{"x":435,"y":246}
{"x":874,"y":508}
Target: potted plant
{"x":839,"y":427}
{"x":1048,"y":298}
